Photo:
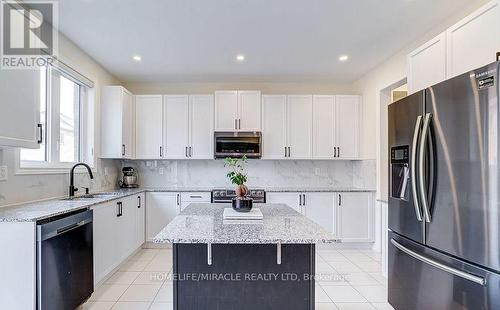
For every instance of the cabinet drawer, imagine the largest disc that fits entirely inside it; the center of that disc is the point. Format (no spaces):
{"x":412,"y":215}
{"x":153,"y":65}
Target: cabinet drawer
{"x":196,"y":196}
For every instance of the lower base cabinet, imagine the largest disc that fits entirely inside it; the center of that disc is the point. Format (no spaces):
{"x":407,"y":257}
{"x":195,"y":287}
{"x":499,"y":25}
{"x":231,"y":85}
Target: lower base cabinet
{"x":355,"y":216}
{"x":161,"y":207}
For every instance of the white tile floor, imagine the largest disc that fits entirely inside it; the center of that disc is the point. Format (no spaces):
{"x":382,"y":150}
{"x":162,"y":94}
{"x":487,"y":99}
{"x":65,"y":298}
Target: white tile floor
{"x":349,"y":278}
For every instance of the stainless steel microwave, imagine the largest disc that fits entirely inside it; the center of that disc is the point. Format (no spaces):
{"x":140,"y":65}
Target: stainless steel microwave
{"x":237,"y":144}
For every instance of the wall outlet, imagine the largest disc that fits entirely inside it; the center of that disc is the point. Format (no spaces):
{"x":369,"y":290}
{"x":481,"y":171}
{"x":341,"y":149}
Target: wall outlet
{"x":160,"y":170}
{"x":4,"y":173}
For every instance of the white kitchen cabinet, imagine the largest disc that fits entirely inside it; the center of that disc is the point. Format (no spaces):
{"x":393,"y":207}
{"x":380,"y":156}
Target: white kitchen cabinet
{"x":274,"y":127}
{"x":299,"y":126}
{"x":474,"y":41}
{"x":176,"y":126}
{"x":320,"y":208}
{"x":201,"y":126}
{"x":117,"y":123}
{"x":238,"y":110}
{"x":347,"y":124}
{"x":355,"y":217}
{"x":126,"y":231}
{"x":188,"y":198}
{"x":20,"y":108}
{"x":148,"y":127}
{"x":140,"y":236}
{"x":291,"y":199}
{"x":427,"y":64}
{"x":161,"y":208}
{"x":324,"y":127}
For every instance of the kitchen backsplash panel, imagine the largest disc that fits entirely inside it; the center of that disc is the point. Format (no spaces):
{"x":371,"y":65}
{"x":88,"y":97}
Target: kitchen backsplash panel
{"x":263,"y":173}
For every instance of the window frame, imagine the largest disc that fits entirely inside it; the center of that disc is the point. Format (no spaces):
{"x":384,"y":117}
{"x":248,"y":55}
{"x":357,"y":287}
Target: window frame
{"x":86,"y":124}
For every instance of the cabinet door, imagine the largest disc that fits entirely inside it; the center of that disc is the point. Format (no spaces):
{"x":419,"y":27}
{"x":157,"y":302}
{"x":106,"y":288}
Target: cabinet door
{"x":319,"y":208}
{"x":140,"y":220}
{"x":226,"y":110}
{"x":474,"y":41}
{"x":128,"y":124}
{"x":20,"y":108}
{"x":176,"y":126}
{"x":202,"y":126}
{"x":355,"y":217}
{"x":290,"y":199}
{"x":104,"y":227}
{"x":161,"y":208}
{"x":273,"y":126}
{"x":148,"y":127}
{"x":299,"y":111}
{"x":323,"y":127}
{"x":347,"y":126}
{"x":427,"y":64}
{"x":249,"y":111}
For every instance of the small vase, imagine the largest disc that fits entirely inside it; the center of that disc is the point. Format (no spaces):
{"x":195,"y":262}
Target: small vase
{"x":241,"y":190}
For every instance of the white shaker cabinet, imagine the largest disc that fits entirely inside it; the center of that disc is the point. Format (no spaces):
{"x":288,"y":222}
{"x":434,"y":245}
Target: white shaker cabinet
{"x":176,"y":126}
{"x":291,"y":199}
{"x":320,"y":208}
{"x":238,"y":110}
{"x":161,"y":208}
{"x":117,"y":123}
{"x":299,"y":126}
{"x":355,"y":216}
{"x":140,"y":236}
{"x":347,"y":124}
{"x":427,"y":64}
{"x":274,"y":127}
{"x":148,"y":127}
{"x":201,"y":126}
{"x":474,"y":41}
{"x":20,"y":108}
{"x":324,"y":127}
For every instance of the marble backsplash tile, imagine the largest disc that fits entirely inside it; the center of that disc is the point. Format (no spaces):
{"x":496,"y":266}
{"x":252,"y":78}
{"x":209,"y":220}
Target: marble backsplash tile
{"x":264,"y":173}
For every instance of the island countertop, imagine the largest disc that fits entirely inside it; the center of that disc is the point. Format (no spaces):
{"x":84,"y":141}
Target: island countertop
{"x":203,"y":223}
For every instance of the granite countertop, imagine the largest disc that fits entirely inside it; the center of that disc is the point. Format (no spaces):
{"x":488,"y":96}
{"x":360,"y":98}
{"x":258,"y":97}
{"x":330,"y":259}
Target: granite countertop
{"x":203,"y":223}
{"x":39,"y":210}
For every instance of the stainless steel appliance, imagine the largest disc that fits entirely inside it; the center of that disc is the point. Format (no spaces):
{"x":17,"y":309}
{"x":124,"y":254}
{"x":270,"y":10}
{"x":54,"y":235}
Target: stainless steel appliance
{"x":226,"y":195}
{"x":237,"y":144}
{"x":65,"y":263}
{"x":129,"y":178}
{"x":444,"y":195}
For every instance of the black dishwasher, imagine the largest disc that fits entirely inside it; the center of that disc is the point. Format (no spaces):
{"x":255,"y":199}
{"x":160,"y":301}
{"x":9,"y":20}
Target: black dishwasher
{"x":65,"y":264}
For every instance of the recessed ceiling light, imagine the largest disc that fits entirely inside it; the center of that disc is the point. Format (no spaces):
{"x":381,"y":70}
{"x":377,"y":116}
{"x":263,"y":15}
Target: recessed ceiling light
{"x":240,"y":57}
{"x":343,"y":57}
{"x":137,"y":58}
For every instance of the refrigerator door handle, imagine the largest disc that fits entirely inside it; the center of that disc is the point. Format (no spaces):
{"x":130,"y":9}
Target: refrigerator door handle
{"x":421,"y":171}
{"x":413,"y":168}
{"x":438,"y":265}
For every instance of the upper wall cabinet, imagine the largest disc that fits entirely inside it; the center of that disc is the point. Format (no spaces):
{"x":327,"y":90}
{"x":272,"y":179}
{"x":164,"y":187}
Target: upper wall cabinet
{"x":274,"y":127}
{"x":117,"y":123}
{"x":474,"y":41}
{"x":189,"y":126}
{"x":148,"y":126}
{"x":20,"y":108}
{"x":427,"y":64}
{"x":299,"y":125}
{"x":471,"y":43}
{"x":336,"y":127}
{"x":237,"y":111}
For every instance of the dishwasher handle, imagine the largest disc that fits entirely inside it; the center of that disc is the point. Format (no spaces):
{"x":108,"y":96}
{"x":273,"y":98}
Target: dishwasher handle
{"x":59,"y":226}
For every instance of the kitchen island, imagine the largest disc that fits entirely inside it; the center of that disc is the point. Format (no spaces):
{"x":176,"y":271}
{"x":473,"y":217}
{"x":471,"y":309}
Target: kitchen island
{"x":227,"y":264}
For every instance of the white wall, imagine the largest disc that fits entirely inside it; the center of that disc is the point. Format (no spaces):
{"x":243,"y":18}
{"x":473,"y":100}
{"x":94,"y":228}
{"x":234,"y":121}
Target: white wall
{"x":22,"y":188}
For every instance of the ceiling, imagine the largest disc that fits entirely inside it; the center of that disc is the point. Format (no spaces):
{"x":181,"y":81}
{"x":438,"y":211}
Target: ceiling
{"x":282,"y":40}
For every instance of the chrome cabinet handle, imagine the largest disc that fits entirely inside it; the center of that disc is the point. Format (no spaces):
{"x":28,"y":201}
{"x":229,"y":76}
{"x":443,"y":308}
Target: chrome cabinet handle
{"x":438,"y":265}
{"x":421,"y":172}
{"x":40,"y":131}
{"x":413,"y":168}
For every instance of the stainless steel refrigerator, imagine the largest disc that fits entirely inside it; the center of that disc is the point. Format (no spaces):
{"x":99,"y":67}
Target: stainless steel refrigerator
{"x":444,"y":195}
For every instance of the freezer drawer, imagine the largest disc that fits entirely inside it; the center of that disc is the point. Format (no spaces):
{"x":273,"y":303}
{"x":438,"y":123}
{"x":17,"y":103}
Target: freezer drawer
{"x":421,"y":278}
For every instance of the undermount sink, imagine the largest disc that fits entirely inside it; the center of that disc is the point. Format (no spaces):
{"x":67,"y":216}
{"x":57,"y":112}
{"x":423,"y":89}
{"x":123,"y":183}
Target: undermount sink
{"x":92,"y":196}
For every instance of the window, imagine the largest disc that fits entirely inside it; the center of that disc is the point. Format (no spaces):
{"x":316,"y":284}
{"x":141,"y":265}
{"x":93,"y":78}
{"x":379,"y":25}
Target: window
{"x":65,"y":128}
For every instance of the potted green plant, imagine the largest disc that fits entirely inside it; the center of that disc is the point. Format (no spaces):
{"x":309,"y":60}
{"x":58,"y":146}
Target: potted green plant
{"x":238,"y":176}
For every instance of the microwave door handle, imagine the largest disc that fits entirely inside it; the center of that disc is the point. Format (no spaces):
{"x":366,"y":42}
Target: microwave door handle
{"x":413,"y":168}
{"x":421,"y":171}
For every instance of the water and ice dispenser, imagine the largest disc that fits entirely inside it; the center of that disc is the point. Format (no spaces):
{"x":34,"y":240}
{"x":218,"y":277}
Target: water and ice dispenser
{"x":400,"y":172}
